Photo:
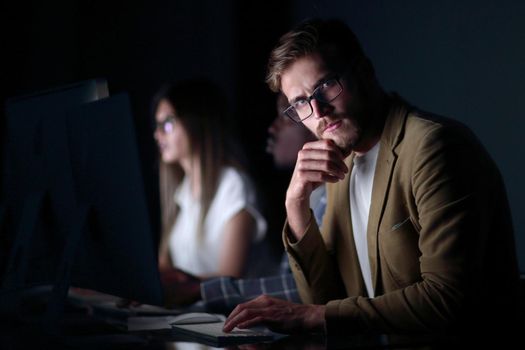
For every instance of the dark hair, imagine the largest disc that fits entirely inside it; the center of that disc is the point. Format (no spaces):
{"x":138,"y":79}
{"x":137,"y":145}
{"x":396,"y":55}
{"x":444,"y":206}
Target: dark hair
{"x":332,"y":39}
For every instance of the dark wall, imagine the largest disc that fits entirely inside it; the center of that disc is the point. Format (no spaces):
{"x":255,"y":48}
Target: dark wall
{"x":462,"y":59}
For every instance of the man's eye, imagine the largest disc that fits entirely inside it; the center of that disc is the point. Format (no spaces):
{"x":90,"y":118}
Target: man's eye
{"x":300,"y":103}
{"x":329,"y":83}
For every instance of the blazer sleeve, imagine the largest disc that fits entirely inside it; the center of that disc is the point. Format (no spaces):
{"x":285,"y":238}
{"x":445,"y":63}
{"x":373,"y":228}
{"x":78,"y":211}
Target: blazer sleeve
{"x":313,"y":266}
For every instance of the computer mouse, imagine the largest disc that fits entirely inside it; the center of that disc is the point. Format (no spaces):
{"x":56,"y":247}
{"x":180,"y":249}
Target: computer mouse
{"x":196,"y":317}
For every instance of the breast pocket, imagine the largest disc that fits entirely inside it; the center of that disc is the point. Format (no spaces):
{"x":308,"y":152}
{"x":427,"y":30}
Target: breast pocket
{"x":399,"y":252}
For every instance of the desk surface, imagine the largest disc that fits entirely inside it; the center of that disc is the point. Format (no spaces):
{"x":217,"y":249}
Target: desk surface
{"x":79,"y":330}
{"x":87,"y":333}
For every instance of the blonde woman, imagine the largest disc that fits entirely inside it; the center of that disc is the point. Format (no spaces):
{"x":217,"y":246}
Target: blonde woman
{"x":208,"y":204}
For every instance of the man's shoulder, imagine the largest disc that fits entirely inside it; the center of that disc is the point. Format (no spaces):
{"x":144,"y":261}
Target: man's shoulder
{"x":421,"y":125}
{"x":420,"y":120}
{"x":408,"y":117}
{"x":427,"y":134}
{"x":410,"y":129}
{"x":406,"y":123}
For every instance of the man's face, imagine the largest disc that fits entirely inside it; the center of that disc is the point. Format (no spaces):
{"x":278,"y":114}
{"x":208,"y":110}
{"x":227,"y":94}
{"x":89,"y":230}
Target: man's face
{"x":341,"y":120}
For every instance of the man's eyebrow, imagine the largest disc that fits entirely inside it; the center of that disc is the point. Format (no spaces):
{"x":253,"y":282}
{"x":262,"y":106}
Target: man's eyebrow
{"x":295,"y":99}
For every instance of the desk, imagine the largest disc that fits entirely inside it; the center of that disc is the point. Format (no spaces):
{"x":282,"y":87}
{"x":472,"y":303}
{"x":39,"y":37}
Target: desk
{"x":79,"y":330}
{"x":86,"y":333}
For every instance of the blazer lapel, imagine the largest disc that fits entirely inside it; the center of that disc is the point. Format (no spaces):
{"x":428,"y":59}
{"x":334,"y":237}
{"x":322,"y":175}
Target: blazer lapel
{"x":386,"y":160}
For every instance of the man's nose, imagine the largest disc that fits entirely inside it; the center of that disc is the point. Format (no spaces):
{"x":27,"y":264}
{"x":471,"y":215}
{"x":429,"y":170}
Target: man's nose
{"x":320,"y":109}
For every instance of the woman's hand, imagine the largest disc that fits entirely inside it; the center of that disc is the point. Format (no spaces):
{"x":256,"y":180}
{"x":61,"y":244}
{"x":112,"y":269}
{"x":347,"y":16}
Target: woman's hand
{"x":180,"y":288}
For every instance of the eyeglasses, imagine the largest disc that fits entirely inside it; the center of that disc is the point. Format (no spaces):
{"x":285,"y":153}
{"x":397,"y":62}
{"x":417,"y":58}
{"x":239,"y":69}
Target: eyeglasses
{"x":325,"y":92}
{"x":166,"y":126}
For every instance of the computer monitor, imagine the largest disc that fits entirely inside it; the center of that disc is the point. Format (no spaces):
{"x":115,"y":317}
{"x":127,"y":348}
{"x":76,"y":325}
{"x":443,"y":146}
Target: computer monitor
{"x":35,"y":173}
{"x":116,"y":254}
{"x":75,"y":213}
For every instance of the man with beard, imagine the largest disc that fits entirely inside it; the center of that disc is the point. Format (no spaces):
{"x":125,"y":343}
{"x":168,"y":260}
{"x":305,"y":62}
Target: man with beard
{"x":417,"y":234}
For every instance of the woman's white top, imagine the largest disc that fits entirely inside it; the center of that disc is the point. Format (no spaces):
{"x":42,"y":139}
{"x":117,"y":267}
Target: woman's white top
{"x":235,"y":192}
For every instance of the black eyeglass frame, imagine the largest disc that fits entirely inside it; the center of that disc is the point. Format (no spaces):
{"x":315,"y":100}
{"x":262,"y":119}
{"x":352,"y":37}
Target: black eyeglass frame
{"x":291,"y":112}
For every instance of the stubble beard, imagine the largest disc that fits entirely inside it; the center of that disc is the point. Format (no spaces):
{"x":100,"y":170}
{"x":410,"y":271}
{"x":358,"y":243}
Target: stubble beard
{"x":345,"y":138}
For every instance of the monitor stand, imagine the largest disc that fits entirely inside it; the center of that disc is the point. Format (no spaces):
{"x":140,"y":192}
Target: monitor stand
{"x":39,"y":303}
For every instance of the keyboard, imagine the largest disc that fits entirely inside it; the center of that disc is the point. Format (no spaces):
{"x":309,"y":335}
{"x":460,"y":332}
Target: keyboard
{"x":212,"y":334}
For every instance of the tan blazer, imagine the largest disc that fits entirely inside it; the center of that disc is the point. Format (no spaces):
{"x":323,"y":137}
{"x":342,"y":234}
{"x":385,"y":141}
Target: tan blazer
{"x":440,"y":237}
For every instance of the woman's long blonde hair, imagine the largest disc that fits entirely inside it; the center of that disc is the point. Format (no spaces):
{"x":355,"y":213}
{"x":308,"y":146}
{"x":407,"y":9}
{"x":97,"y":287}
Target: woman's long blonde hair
{"x":201,"y":108}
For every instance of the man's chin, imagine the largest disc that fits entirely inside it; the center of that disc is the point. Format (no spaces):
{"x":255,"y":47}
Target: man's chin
{"x":345,"y":147}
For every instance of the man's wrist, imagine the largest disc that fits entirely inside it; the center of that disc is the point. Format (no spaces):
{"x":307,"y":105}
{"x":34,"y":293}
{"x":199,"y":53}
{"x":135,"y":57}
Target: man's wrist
{"x":293,"y":238}
{"x":299,"y":218}
{"x":316,"y":318}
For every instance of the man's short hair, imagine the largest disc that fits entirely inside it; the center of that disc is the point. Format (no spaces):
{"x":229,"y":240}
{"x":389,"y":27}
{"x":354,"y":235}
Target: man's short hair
{"x":332,"y":39}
